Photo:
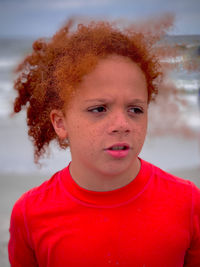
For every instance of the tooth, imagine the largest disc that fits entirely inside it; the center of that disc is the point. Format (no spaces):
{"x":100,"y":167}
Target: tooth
{"x":118,"y":148}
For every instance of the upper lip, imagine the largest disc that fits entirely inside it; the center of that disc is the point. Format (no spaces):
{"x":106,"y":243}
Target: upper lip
{"x":127,"y":146}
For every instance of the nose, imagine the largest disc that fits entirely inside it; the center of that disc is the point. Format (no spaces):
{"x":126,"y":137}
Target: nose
{"x":119,"y":124}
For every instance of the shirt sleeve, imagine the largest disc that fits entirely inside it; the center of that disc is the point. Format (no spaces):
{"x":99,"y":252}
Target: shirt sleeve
{"x":192,"y":258}
{"x":19,"y":250}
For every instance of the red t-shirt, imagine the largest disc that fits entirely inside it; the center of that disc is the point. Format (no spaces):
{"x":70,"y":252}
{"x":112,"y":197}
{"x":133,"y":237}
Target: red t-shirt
{"x":153,"y":221}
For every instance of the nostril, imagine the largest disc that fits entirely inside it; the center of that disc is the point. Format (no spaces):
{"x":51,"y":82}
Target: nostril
{"x":121,"y":131}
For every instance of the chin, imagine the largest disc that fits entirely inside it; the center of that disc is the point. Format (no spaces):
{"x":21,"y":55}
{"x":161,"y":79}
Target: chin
{"x":114,"y":169}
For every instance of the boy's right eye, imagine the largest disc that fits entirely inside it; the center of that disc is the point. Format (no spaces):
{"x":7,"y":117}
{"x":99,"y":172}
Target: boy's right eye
{"x":98,"y":109}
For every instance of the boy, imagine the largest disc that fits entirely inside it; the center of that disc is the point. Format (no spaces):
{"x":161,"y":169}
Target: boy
{"x":90,"y":90}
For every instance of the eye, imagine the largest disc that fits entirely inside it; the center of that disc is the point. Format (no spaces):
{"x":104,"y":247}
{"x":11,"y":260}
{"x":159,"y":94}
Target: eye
{"x":135,"y":110}
{"x":98,"y":109}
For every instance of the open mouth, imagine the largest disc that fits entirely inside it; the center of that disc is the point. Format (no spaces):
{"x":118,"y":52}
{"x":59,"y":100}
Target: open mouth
{"x":118,"y":148}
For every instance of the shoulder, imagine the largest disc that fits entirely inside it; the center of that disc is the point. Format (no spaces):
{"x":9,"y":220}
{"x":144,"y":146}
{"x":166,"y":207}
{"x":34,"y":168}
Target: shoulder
{"x":34,"y":206}
{"x":172,"y":184}
{"x":168,"y":177}
{"x":40,"y":195}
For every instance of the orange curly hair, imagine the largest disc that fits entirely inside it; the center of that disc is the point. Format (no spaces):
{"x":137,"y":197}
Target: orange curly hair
{"x":49,"y":76}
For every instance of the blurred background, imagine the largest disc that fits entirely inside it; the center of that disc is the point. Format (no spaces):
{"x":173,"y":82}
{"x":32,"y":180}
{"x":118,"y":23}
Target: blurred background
{"x":173,"y":141}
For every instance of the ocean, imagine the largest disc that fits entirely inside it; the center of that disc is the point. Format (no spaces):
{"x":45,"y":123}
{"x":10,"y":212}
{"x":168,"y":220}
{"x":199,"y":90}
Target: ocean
{"x":169,"y":146}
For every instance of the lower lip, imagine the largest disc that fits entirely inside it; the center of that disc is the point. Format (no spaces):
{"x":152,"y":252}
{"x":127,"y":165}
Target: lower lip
{"x":118,"y":153}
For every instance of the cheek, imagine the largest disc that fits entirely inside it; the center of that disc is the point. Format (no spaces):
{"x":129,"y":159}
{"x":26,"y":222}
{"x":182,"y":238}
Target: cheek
{"x":74,"y":131}
{"x":141,"y":131}
{"x":82,"y":135}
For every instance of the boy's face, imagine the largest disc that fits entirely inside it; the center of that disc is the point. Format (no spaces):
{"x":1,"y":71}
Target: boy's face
{"x":106,"y":121}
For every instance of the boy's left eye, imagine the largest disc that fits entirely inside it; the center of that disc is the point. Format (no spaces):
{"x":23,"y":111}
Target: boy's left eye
{"x":135,"y":110}
{"x":98,"y":109}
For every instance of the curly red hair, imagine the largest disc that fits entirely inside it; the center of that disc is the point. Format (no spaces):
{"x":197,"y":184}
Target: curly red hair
{"x":49,"y":76}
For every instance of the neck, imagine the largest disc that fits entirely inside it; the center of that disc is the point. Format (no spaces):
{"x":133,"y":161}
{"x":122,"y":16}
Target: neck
{"x":98,"y":181}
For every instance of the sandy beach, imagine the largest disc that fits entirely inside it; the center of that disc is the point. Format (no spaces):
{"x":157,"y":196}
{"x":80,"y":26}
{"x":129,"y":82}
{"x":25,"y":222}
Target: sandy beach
{"x":12,"y":186}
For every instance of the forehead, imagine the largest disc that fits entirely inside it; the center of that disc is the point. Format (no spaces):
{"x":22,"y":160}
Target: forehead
{"x":114,"y":71}
{"x":113,"y":65}
{"x":112,"y":78}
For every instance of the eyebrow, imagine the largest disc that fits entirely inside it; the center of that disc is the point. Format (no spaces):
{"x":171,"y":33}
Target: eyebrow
{"x":103,"y":100}
{"x":100,"y":100}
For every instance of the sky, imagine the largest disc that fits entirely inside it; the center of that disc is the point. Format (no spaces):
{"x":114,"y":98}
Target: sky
{"x":41,"y":18}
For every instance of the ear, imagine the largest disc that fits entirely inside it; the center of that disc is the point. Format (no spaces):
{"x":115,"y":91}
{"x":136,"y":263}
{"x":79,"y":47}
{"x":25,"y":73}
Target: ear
{"x":58,"y":121}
